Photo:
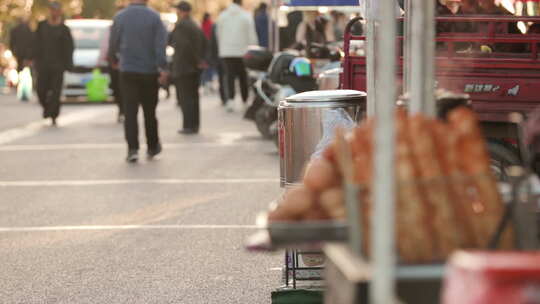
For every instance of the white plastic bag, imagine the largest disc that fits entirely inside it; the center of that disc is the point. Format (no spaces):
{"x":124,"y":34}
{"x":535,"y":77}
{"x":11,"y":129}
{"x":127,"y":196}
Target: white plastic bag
{"x":332,"y":119}
{"x":25,"y":86}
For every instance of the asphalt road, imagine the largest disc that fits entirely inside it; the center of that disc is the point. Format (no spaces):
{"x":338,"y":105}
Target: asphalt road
{"x":79,"y":225}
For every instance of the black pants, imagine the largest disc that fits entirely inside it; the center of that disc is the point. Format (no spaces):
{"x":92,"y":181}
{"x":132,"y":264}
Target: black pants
{"x":187,"y":92}
{"x":220,"y":67}
{"x":140,"y":89}
{"x":49,"y":89}
{"x":115,"y":87}
{"x":235,"y":69}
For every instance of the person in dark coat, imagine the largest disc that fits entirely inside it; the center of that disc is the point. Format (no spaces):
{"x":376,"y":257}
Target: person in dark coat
{"x":189,"y":45}
{"x":53,"y":55}
{"x":261,"y":24}
{"x":20,"y":43}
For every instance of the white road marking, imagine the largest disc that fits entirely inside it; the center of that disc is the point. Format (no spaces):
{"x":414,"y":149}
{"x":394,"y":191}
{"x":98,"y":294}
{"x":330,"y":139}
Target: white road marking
{"x":34,"y":127}
{"x":77,"y":183}
{"x":20,"y":148}
{"x":221,"y":140}
{"x":125,"y":227}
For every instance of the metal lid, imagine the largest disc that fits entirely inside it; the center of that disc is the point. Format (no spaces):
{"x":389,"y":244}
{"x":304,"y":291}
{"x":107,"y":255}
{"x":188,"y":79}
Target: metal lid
{"x":328,"y":96}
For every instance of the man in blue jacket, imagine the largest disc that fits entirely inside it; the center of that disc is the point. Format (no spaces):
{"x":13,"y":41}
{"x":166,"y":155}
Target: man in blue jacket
{"x":138,"y":43}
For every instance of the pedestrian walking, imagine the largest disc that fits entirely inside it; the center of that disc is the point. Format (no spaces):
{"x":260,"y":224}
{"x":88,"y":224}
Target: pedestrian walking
{"x":138,"y":43}
{"x":189,"y":44}
{"x":20,"y":43}
{"x":235,"y":33}
{"x":261,"y":24}
{"x":208,"y":73}
{"x":207,"y":25}
{"x":53,"y":55}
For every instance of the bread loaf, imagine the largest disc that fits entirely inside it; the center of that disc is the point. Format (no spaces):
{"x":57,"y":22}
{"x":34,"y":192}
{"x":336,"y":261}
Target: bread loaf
{"x":447,"y":154}
{"x":485,"y":198}
{"x":415,"y":232}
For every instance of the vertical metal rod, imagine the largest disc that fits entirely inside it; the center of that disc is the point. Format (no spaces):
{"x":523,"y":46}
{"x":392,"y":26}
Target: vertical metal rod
{"x":287,"y":268}
{"x":430,"y":106}
{"x":296,"y":259}
{"x":273,"y":26}
{"x":407,"y":47}
{"x":353,"y":217}
{"x":382,"y":289}
{"x":270,"y":26}
{"x":276,"y":27}
{"x":422,"y":37}
{"x":370,"y":57}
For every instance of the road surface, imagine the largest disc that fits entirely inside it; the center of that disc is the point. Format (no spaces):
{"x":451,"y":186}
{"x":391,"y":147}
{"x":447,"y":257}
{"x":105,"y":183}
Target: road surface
{"x":80,"y":225}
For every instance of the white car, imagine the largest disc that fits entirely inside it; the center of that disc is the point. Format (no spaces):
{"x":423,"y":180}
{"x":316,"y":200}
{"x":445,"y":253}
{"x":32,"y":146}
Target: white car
{"x":91,"y":43}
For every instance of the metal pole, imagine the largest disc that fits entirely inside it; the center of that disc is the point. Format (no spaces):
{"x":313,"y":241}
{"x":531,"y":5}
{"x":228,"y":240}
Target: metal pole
{"x":429,"y":60}
{"x":407,"y":47}
{"x":422,"y":37}
{"x":270,"y":26}
{"x":382,"y":288}
{"x":276,"y":26}
{"x":273,"y":26}
{"x":370,"y":57}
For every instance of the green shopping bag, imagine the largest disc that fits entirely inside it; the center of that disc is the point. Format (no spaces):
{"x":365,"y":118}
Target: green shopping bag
{"x":24,"y":87}
{"x":97,"y":87}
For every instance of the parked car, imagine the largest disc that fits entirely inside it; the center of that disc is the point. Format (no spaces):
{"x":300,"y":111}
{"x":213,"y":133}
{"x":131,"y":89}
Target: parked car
{"x":91,"y":43}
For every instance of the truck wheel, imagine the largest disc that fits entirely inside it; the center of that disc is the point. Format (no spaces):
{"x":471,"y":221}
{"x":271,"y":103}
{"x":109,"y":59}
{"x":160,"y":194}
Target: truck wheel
{"x":503,"y":156}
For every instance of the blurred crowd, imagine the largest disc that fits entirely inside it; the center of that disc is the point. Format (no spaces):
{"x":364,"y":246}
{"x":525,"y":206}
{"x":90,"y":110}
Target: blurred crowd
{"x":207,"y":52}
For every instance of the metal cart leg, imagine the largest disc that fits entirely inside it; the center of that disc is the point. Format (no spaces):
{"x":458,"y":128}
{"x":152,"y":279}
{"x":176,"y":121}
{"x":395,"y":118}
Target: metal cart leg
{"x":295,"y":266}
{"x":287,"y":269}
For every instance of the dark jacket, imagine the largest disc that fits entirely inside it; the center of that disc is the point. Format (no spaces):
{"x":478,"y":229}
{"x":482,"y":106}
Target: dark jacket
{"x":261,"y":25}
{"x":20,"y":42}
{"x":214,"y":48}
{"x":189,"y":45}
{"x":138,"y":40}
{"x":53,"y":46}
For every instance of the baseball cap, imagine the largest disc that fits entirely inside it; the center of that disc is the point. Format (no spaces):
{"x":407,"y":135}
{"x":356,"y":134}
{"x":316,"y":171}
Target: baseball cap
{"x":184,"y":6}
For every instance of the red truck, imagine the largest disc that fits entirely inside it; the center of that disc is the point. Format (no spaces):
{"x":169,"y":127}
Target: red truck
{"x":500,"y":70}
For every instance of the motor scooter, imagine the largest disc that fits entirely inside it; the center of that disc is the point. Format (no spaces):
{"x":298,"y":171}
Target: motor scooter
{"x":288,"y":75}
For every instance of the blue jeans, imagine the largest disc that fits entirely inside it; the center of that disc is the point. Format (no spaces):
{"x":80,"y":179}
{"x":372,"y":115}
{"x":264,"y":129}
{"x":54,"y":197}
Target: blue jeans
{"x":208,"y":75}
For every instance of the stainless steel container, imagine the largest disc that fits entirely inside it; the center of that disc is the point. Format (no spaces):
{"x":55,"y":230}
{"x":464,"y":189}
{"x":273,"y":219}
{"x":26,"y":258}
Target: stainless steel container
{"x":305,"y":120}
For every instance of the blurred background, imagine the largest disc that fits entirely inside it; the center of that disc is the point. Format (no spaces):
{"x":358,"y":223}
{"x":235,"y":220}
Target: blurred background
{"x":35,"y":10}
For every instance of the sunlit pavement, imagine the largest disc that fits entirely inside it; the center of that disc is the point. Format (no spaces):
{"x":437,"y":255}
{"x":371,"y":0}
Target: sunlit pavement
{"x":79,"y":225}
